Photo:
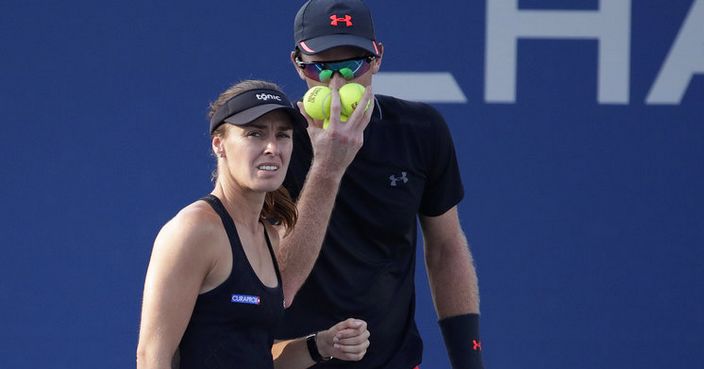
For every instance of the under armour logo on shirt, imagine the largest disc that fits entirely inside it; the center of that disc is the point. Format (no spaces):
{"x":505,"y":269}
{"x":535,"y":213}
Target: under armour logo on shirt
{"x":394,"y":180}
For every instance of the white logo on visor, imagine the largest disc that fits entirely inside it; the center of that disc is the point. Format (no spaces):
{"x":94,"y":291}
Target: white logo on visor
{"x":266,"y":97}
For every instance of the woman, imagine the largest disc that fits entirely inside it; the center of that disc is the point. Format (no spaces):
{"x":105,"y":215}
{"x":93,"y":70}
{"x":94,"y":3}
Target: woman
{"x":213,"y":292}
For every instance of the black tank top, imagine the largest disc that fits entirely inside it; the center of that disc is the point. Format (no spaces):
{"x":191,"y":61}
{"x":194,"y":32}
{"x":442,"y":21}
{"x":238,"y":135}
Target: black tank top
{"x":232,"y":325}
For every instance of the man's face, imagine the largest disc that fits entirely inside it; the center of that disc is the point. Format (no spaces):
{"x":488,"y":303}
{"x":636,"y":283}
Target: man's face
{"x":335,"y":54}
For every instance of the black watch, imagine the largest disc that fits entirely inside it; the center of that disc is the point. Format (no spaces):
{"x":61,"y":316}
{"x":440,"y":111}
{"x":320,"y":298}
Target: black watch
{"x":313,"y":349}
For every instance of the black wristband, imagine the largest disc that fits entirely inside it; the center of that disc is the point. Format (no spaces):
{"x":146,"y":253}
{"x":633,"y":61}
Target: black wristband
{"x":461,"y":334}
{"x":313,"y":349}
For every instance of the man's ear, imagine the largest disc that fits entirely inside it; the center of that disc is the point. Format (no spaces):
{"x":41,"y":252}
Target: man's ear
{"x":377,"y":61}
{"x":295,"y":66}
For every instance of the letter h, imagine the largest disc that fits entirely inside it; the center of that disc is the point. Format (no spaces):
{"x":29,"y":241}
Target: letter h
{"x":610,"y":25}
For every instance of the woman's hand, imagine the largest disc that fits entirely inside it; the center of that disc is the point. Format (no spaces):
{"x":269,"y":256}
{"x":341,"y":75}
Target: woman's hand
{"x":346,"y":340}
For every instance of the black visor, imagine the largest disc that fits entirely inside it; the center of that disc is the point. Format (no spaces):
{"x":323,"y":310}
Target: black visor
{"x":248,"y":106}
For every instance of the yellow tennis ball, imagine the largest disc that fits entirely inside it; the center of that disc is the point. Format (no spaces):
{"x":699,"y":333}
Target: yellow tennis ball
{"x":316,"y":102}
{"x":326,"y":122}
{"x":350,"y":94}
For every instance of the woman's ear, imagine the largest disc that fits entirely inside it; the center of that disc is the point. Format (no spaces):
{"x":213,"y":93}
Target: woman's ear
{"x":218,"y":146}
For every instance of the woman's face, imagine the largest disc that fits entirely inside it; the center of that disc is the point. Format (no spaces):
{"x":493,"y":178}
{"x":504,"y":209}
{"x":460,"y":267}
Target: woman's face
{"x":257,"y":154}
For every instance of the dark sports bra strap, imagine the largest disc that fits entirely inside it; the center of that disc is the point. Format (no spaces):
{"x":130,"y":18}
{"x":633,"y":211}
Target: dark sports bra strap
{"x":273,"y":255}
{"x":231,"y":230}
{"x":227,"y":221}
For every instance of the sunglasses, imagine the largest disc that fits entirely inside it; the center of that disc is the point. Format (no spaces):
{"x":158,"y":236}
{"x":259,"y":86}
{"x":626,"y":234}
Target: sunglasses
{"x":348,"y":68}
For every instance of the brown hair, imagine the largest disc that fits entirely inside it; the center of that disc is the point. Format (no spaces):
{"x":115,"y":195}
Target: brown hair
{"x":279,"y":208}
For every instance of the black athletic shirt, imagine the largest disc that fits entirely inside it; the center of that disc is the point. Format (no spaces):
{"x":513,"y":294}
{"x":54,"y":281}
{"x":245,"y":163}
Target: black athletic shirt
{"x":407,"y":166}
{"x":232,"y":325}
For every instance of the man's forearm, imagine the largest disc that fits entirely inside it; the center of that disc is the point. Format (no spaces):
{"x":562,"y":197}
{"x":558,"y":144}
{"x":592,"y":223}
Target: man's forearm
{"x":299,"y":250}
{"x":334,"y":148}
{"x":453,"y":283}
{"x":453,"y":278}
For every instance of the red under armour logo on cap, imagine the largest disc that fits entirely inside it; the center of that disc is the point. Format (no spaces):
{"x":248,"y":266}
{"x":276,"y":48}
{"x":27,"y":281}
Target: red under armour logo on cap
{"x":334,"y":19}
{"x":476,"y":345}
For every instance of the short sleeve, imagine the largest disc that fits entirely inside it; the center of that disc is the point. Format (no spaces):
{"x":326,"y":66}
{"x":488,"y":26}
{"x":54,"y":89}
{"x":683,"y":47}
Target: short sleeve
{"x":443,"y":188}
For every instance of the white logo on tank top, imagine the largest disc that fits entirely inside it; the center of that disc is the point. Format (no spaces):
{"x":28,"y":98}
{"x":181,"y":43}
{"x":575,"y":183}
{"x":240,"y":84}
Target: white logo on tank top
{"x":245,"y":299}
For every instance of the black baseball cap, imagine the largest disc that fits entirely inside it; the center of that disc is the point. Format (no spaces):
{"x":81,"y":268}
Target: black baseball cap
{"x":246,"y":107}
{"x":323,"y":24}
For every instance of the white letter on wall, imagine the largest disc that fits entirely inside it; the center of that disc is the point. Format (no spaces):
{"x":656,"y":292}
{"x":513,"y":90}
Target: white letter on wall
{"x":610,"y":25}
{"x":685,"y":59}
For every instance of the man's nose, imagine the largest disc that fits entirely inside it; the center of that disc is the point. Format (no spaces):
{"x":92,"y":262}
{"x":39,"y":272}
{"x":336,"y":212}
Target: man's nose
{"x":337,"y":80}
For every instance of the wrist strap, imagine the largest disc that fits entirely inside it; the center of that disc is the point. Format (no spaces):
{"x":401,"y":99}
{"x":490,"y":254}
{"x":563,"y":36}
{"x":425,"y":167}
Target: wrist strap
{"x":313,"y":349}
{"x":461,"y":334}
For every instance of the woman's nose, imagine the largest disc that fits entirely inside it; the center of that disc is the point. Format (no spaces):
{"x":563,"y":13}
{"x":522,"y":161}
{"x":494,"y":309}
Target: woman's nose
{"x":271,"y":147}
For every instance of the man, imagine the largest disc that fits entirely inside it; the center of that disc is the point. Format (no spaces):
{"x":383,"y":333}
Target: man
{"x":360,"y":185}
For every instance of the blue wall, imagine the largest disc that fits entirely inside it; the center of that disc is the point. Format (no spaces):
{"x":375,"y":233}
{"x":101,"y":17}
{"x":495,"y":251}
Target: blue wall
{"x":584,"y":211}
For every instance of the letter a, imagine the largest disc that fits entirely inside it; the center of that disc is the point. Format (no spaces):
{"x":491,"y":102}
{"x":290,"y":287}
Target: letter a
{"x":686,"y":58}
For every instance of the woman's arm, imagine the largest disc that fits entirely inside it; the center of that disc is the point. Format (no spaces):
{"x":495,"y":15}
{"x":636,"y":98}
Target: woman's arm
{"x":178,"y":267}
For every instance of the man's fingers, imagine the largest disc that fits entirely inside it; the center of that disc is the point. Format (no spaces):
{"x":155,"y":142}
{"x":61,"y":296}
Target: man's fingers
{"x":360,"y":116}
{"x":335,"y":107}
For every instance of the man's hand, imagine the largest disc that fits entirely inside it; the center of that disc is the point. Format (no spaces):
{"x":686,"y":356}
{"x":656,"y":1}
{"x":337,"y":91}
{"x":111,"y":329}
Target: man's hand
{"x":335,"y":147}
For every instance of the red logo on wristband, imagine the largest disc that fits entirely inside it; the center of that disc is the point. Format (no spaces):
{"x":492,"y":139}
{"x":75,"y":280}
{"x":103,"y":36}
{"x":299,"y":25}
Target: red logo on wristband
{"x":476,"y":345}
